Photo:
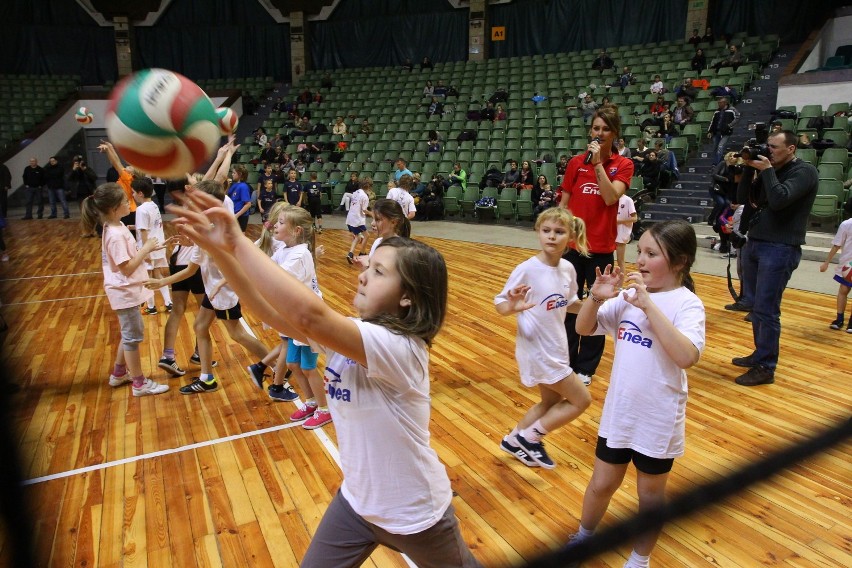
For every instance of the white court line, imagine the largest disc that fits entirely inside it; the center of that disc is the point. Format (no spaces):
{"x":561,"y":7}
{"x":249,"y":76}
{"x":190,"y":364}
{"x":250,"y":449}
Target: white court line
{"x":159,"y":453}
{"x":56,"y":300}
{"x":51,"y":276}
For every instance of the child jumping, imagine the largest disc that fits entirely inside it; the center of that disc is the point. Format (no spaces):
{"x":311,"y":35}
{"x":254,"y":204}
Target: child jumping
{"x":843,"y":273}
{"x":124,"y":278}
{"x":377,"y":377}
{"x":657,"y":324}
{"x":539,"y":291}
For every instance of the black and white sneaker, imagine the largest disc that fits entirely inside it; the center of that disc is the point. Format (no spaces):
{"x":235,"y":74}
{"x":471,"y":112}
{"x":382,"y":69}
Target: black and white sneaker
{"x":535,"y":450}
{"x":282,"y":393}
{"x":171,"y":366}
{"x":838,"y":323}
{"x":256,"y":373}
{"x":507,"y":446}
{"x":199,"y":386}
{"x":196,"y":360}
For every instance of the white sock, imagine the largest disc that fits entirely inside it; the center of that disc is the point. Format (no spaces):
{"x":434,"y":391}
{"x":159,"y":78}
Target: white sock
{"x":638,"y":561}
{"x":167,"y":295}
{"x":534,"y":433}
{"x":584,"y":532}
{"x":151,"y":304}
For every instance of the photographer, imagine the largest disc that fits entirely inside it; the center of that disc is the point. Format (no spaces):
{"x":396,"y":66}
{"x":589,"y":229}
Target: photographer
{"x":779,"y":191}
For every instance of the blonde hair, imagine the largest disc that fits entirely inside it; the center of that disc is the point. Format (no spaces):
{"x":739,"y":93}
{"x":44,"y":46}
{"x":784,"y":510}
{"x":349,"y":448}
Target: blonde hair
{"x":266,"y":238}
{"x":299,"y":217}
{"x":576,"y":227}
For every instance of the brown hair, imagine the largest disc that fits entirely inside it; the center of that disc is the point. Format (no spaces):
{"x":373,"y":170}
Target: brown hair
{"x":609,"y":114}
{"x":104,"y":199}
{"x":392,"y":211}
{"x":677,"y":240}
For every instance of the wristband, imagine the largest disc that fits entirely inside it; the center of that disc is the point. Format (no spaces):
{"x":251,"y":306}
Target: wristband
{"x":596,"y":300}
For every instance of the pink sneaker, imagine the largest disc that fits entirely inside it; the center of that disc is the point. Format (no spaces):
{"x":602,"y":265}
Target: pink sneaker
{"x":318,"y":420}
{"x":305,"y":411}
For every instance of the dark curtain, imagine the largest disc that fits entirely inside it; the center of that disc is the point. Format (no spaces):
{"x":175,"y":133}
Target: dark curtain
{"x":550,"y":26}
{"x":370,"y":33}
{"x":793,"y":20}
{"x":213,"y":39}
{"x":55,"y":38}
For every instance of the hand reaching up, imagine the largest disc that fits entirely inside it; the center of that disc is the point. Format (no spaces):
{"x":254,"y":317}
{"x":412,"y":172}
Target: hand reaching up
{"x":205,"y":220}
{"x":607,"y":283}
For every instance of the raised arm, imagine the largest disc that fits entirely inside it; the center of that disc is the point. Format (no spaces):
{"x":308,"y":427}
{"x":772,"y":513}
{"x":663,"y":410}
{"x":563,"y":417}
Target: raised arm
{"x":112,"y":155}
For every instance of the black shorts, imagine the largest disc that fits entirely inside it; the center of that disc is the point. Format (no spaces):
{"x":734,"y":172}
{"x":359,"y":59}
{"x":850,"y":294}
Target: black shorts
{"x":315,"y":207}
{"x":194,"y":284}
{"x":234,"y":313}
{"x":243,"y":222}
{"x":645,"y":464}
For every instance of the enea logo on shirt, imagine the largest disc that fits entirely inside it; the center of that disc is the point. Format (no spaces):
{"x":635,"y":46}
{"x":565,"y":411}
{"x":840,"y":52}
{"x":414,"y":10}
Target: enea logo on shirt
{"x":554,"y":302}
{"x":630,"y":332}
{"x":332,"y":380}
{"x":590,"y":189}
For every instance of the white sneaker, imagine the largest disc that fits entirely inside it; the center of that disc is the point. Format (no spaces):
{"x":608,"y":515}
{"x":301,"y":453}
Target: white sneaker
{"x":118,"y":381}
{"x":4,"y":258}
{"x":587,"y":379}
{"x":150,"y":387}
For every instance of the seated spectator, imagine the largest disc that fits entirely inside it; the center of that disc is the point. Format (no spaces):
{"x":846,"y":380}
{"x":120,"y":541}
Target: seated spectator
{"x":277,"y":141}
{"x":326,"y":82}
{"x":303,"y":128}
{"x":366,"y":127}
{"x":667,"y":130}
{"x":775,"y":126}
{"x":708,"y":36}
{"x":433,"y":147}
{"x":687,"y":89}
{"x":435,"y":108}
{"x":305,"y":97}
{"x":805,"y":141}
{"x":543,"y":196}
{"x":318,"y":98}
{"x":339,"y":128}
{"x":510,"y":177}
{"x":419,"y":187}
{"x":260,"y":137}
{"x":401,"y":169}
{"x":639,"y":154}
{"x":428,"y":90}
{"x":668,"y":163}
{"x":605,"y":101}
{"x":426,"y":63}
{"x":500,"y":114}
{"x":526,"y":177}
{"x":434,"y":136}
{"x":488,"y":113}
{"x":659,"y":108}
{"x":457,"y":177}
{"x":279,"y":105}
{"x":452,"y":91}
{"x":734,"y":59}
{"x":536,"y":98}
{"x":588,"y":106}
{"x":562,"y":165}
{"x":698,"y":63}
{"x":300,"y":166}
{"x":440,"y":89}
{"x":407,"y":65}
{"x":657,"y":86}
{"x":267,"y":154}
{"x":726,"y":91}
{"x":602,"y":62}
{"x":650,"y":172}
{"x":623,"y":150}
{"x":682,"y":113}
{"x":626,"y":78}
{"x":431,"y":205}
{"x":694,"y":39}
{"x":501,"y":95}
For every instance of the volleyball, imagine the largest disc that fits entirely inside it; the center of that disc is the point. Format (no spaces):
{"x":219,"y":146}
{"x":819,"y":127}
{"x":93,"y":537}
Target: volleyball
{"x":162,"y":123}
{"x":228,"y":120}
{"x":84,"y":116}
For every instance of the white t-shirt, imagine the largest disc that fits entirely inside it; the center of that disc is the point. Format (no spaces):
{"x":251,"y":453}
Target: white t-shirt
{"x":225,"y":298}
{"x":391,"y":476}
{"x":843,"y":239}
{"x":404,"y":199}
{"x":148,"y":218}
{"x":184,"y":255}
{"x":228,"y":203}
{"x":626,"y":208}
{"x":376,"y":244}
{"x":357,"y":205}
{"x":118,"y":247}
{"x":645,"y":406}
{"x":541,"y":345}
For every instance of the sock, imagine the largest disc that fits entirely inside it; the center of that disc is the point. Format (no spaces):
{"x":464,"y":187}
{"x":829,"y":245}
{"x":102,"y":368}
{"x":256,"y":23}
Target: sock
{"x":138,"y":381}
{"x":637,"y":561}
{"x":322,"y":409}
{"x":261,"y":365}
{"x":287,"y":374}
{"x":151,"y":304}
{"x":119,"y":370}
{"x":534,"y":433}
{"x":167,"y":296}
{"x":513,"y":433}
{"x":207,"y":378}
{"x":584,"y":532}
{"x":311,"y":402}
{"x":840,"y":317}
{"x":168,"y":354}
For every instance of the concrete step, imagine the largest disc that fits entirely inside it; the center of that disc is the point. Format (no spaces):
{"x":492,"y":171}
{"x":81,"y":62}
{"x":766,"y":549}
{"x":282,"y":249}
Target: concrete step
{"x":816,"y":247}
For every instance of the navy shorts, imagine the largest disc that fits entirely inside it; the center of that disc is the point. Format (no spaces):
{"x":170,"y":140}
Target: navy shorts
{"x":645,"y":464}
{"x":357,"y":230}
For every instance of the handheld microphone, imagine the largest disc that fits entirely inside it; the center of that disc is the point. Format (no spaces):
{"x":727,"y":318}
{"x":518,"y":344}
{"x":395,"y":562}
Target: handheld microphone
{"x":589,"y":153}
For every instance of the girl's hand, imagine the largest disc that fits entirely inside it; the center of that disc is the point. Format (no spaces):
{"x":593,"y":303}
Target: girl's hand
{"x":182,"y":240}
{"x":641,"y":299}
{"x":154,"y":283}
{"x":105,"y":146}
{"x":204,"y":220}
{"x":824,"y":266}
{"x":607,"y":283}
{"x":518,"y":298}
{"x":150,"y":245}
{"x":320,"y":251}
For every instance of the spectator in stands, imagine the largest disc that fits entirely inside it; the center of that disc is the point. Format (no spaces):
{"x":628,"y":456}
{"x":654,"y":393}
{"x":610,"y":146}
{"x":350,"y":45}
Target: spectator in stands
{"x":303,"y":128}
{"x":698,"y":63}
{"x":543,"y":196}
{"x":440,"y":89}
{"x":650,"y":172}
{"x":426,"y":63}
{"x":267,"y":154}
{"x":668,"y":163}
{"x":33,"y":183}
{"x":640,"y":153}
{"x":627,"y":78}
{"x":776,"y":126}
{"x":726,"y":91}
{"x":526,"y":177}
{"x":708,"y":36}
{"x":602,"y":62}
{"x":318,"y":98}
{"x":501,"y":95}
{"x":401,"y":169}
{"x":805,"y":142}
{"x":721,"y":128}
{"x":500,"y":114}
{"x":510,"y":177}
{"x":667,"y":130}
{"x":457,"y":177}
{"x":366,"y":127}
{"x":305,"y":97}
{"x":429,"y":89}
{"x":694,"y":39}
{"x":734,"y":59}
{"x":659,"y":108}
{"x":339,"y":128}
{"x":433,"y":146}
{"x":657,"y":86}
{"x":260,"y":137}
{"x":537,"y":98}
{"x":588,"y":107}
{"x":563,"y":163}
{"x":687,"y":89}
{"x":435,"y":108}
{"x":488,"y":113}
{"x":54,"y":181}
{"x":326,"y":82}
{"x":622,"y":148}
{"x":279,"y":105}
{"x":782,"y":189}
{"x":277,"y":141}
{"x":407,"y":65}
{"x":682,"y":113}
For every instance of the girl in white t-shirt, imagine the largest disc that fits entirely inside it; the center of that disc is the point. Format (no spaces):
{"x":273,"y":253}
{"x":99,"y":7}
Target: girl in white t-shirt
{"x":149,"y":223}
{"x":539,"y":291}
{"x":625,"y":218}
{"x":657,"y":324}
{"x":356,"y":217}
{"x":389,"y":220}
{"x":124,"y":279}
{"x":395,"y":490}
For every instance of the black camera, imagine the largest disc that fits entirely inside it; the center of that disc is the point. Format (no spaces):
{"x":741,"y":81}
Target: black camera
{"x":757,"y":146}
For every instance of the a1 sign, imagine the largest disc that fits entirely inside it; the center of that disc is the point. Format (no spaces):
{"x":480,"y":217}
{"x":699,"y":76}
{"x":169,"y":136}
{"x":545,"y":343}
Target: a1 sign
{"x":498,"y":33}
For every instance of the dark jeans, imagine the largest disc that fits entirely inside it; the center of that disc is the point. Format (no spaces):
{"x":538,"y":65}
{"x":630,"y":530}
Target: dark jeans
{"x":767,"y":268}
{"x":585,"y":352}
{"x":34,"y":194}
{"x":54,"y":195}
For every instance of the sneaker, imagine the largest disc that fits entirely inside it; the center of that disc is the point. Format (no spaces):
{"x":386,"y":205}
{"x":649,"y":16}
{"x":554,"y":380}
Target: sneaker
{"x":716,"y":246}
{"x":66,"y":216}
{"x":304,"y":412}
{"x":731,"y":254}
{"x":51,"y":217}
{"x":4,"y":258}
{"x":747,"y":362}
{"x":171,"y":366}
{"x":350,"y":258}
{"x":282,"y":392}
{"x":737,"y":307}
{"x":150,"y":311}
{"x":517,"y":451}
{"x":318,"y":420}
{"x":196,"y":360}
{"x":118,"y":381}
{"x":256,"y":373}
{"x":536,"y":451}
{"x":198,"y":385}
{"x":849,"y":327}
{"x":169,"y":308}
{"x":756,"y":376}
{"x":150,"y":387}
{"x":838,"y":323}
{"x":587,"y":379}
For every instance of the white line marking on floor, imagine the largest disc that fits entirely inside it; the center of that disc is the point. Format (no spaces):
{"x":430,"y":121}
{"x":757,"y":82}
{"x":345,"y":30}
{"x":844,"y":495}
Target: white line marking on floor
{"x":56,"y":300}
{"x":50,"y":276}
